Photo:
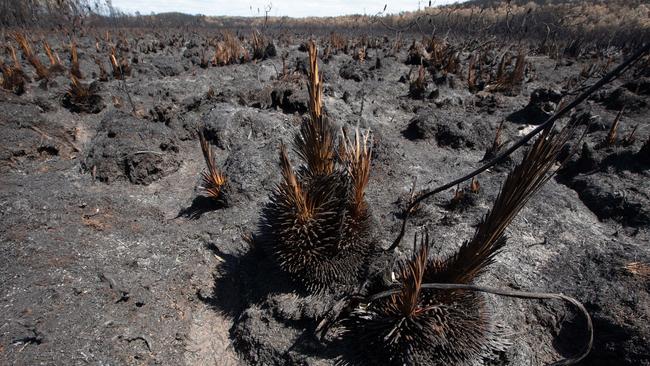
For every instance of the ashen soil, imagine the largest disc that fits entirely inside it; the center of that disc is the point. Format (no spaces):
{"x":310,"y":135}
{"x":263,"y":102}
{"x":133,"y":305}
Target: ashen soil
{"x":111,"y":256}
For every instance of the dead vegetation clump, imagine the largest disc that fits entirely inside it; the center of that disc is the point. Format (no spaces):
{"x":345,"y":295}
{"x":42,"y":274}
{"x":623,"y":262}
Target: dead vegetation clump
{"x":506,"y":77}
{"x":41,"y":71}
{"x":213,"y":181}
{"x":418,"y":86}
{"x":230,"y":51}
{"x":121,"y":66}
{"x":316,"y":225}
{"x":443,"y":56}
{"x":13,"y":76}
{"x":510,"y":74}
{"x":263,"y":47}
{"x":338,"y":43}
{"x":408,"y":324}
{"x":56,"y":67}
{"x":417,"y":54}
{"x":82,"y":98}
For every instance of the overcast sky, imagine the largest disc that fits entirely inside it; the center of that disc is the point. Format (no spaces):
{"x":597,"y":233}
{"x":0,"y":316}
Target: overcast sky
{"x":280,"y":7}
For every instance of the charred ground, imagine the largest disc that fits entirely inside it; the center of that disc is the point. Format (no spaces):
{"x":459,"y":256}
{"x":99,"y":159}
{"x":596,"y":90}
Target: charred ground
{"x":112,"y":254}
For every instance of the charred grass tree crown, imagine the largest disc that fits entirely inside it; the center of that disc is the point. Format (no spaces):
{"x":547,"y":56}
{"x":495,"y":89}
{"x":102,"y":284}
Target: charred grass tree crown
{"x":316,"y":225}
{"x":416,"y":326}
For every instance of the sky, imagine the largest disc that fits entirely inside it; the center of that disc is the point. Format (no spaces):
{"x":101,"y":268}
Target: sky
{"x":279,"y":7}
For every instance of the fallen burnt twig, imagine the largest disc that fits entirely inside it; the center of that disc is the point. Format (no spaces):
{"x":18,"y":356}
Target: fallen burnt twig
{"x":612,"y":75}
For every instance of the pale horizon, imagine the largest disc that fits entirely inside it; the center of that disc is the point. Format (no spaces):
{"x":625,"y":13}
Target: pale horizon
{"x":323,"y":8}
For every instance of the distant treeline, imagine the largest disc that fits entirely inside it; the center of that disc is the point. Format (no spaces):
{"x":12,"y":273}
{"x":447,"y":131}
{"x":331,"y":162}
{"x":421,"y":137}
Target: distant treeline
{"x":601,"y":23}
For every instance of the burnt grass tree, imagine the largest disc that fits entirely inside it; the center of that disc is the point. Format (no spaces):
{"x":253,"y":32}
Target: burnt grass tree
{"x":448,"y":327}
{"x":213,"y":181}
{"x":82,"y":98}
{"x":316,"y":226}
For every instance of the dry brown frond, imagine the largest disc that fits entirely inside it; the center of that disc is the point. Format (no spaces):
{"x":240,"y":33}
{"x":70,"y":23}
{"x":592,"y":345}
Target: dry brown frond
{"x":497,"y":144}
{"x":357,"y":155}
{"x":295,"y":194}
{"x":213,"y":180}
{"x":12,"y":79}
{"x":509,"y":77}
{"x":315,"y":144}
{"x":418,"y":86}
{"x":407,"y":302}
{"x":54,"y":60}
{"x":315,"y":82}
{"x":475,"y":186}
{"x":121,"y":69}
{"x":41,"y":70}
{"x":639,"y":269}
{"x":611,"y":136}
{"x":524,"y":180}
{"x":74,"y":62}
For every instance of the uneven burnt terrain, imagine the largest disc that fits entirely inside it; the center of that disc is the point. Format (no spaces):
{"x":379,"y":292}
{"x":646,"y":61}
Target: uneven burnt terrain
{"x":111,"y":254}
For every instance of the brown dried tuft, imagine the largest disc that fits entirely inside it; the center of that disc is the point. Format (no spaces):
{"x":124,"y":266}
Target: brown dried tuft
{"x":611,"y":136}
{"x":509,"y":76}
{"x":74,"y":62}
{"x":41,"y":70}
{"x":55,"y":62}
{"x":121,"y":69}
{"x":315,"y":144}
{"x":357,"y":156}
{"x":230,"y":51}
{"x":639,"y":269}
{"x":81,"y":97}
{"x":13,"y":77}
{"x":213,"y":181}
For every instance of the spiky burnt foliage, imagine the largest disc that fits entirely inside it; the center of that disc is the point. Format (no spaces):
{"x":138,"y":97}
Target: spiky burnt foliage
{"x":416,"y":326}
{"x":316,"y":225}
